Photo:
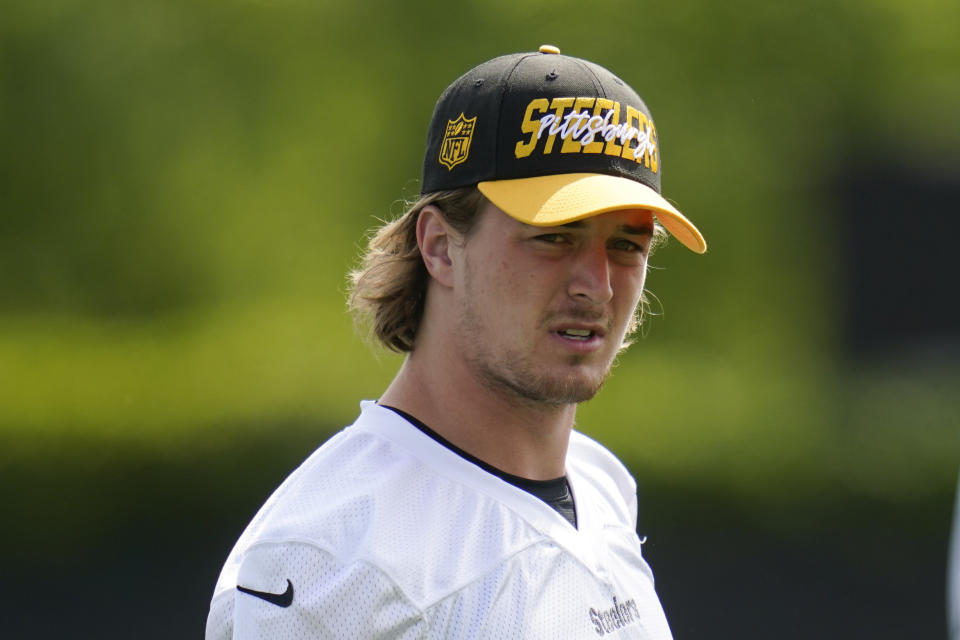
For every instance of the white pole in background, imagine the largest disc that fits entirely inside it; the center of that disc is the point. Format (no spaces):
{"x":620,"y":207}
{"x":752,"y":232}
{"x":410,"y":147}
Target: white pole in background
{"x":953,"y":579}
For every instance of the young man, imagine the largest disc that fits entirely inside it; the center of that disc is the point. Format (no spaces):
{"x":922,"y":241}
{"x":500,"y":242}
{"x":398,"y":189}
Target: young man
{"x":462,"y":504}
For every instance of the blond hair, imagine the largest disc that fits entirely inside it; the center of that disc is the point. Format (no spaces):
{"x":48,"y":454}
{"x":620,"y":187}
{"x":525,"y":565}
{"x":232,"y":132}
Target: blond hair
{"x":390,"y":286}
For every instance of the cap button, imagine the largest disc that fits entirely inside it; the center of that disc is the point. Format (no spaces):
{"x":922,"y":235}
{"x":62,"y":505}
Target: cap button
{"x":549,"y":48}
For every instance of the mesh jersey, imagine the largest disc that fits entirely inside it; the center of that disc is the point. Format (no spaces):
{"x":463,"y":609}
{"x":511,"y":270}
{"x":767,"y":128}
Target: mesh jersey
{"x":385,"y":533}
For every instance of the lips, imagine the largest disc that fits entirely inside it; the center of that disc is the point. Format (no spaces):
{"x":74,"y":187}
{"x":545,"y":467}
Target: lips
{"x":580,"y":332}
{"x":579,"y":325}
{"x":576,"y":334}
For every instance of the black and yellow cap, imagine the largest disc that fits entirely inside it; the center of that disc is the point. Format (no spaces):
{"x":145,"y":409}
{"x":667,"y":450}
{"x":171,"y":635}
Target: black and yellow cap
{"x":550,"y":139}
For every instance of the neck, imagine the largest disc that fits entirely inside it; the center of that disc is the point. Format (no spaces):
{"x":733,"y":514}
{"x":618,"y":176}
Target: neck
{"x":519,"y":437}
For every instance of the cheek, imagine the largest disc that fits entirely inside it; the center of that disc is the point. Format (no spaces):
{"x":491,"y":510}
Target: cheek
{"x":631,"y":286}
{"x":492,"y":287}
{"x":508,"y":275}
{"x":641,"y":282}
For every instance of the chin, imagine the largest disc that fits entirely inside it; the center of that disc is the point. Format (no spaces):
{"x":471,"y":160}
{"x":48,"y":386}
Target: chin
{"x":568,"y":389}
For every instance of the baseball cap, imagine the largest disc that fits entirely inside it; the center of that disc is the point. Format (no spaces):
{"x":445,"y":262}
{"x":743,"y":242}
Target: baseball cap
{"x":550,"y":139}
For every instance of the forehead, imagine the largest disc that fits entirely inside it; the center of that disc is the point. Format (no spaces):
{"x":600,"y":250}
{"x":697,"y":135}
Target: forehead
{"x":632,"y":222}
{"x":628,"y":221}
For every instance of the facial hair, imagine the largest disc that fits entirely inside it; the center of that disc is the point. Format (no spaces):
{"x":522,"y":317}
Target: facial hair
{"x":513,"y":374}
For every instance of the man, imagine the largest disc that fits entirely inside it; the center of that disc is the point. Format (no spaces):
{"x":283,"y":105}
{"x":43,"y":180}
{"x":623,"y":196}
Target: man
{"x":462,"y":504}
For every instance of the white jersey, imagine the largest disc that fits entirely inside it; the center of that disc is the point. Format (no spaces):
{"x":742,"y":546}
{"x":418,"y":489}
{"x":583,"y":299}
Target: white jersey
{"x":385,"y":533}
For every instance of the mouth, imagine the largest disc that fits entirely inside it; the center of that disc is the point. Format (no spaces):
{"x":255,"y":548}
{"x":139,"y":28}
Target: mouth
{"x":581,"y":332}
{"x":576,"y":334}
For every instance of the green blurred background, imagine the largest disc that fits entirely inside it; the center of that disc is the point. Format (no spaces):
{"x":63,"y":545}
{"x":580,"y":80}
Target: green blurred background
{"x":183,"y":186}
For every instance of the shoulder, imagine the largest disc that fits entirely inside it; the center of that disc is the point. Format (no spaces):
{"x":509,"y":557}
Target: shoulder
{"x":382,"y":497}
{"x":294,"y":589}
{"x":595,"y":464}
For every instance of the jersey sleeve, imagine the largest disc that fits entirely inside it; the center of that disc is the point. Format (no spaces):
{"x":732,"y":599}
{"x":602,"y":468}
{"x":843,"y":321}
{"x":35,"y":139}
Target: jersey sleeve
{"x":330,"y":599}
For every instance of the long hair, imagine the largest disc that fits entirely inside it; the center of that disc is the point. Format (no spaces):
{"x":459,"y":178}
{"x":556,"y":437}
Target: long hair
{"x":390,"y":286}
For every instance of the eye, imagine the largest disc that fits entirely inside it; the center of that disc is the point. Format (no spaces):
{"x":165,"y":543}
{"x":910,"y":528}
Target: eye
{"x":551,"y":238}
{"x":622,"y":244}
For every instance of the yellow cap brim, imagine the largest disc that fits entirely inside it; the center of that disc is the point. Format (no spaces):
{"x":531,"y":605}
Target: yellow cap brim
{"x":558,"y":199}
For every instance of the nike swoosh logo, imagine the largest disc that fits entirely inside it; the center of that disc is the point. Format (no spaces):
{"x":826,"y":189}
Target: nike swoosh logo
{"x":280,"y":599}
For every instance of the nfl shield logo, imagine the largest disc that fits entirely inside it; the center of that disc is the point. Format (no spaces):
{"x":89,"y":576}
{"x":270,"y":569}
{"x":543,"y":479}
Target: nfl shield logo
{"x":456,"y":141}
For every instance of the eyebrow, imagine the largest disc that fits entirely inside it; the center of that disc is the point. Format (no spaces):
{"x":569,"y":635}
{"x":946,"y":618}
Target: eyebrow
{"x":643,"y":230}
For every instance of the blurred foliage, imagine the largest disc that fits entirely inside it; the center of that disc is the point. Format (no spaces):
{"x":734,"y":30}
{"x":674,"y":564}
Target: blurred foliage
{"x":184,"y":185}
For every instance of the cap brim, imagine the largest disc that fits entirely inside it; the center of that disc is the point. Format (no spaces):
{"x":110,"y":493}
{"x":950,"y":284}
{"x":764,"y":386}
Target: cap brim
{"x":558,"y":199}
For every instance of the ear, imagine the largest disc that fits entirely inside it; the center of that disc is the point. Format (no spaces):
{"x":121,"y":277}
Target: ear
{"x":437,"y":240}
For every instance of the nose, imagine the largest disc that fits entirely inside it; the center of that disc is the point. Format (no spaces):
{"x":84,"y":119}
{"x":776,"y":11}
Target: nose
{"x":590,"y":275}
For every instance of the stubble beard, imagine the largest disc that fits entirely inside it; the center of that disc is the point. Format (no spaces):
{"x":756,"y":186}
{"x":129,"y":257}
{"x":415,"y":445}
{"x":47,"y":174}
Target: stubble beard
{"x":516,"y":378}
{"x":513,"y":375}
